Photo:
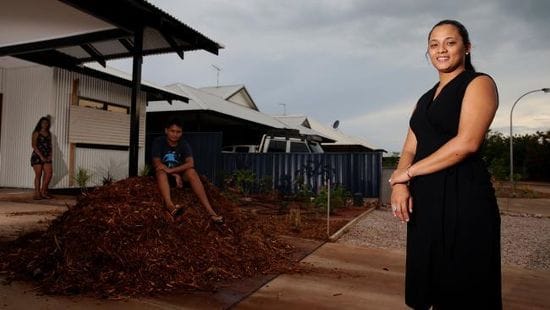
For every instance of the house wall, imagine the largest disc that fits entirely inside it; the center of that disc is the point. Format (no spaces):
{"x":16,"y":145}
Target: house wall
{"x":1,"y":79}
{"x":102,"y":163}
{"x":27,"y":95}
{"x":35,"y":91}
{"x":89,"y":126}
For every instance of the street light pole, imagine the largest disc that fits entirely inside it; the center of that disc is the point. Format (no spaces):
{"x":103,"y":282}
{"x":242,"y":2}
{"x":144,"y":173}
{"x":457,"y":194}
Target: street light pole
{"x":546,"y":90}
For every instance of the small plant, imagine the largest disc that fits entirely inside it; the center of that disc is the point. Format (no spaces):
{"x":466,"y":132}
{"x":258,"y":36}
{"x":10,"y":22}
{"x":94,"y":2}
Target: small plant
{"x":303,"y":192}
{"x":244,"y":180}
{"x":107,"y":179}
{"x":82,"y":178}
{"x":338,"y":197}
{"x":145,"y":171}
{"x":266,"y":184}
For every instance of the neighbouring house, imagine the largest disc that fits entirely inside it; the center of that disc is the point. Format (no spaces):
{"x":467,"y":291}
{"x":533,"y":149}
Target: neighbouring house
{"x":341,"y":141}
{"x":98,"y":116}
{"x":227,"y":109}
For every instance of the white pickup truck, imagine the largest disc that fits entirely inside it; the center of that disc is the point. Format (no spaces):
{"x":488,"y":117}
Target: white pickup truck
{"x":277,"y":143}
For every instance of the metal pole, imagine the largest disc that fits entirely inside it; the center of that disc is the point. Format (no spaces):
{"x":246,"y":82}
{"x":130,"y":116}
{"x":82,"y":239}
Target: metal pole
{"x":135,"y":107}
{"x":328,"y":207}
{"x":546,"y":90}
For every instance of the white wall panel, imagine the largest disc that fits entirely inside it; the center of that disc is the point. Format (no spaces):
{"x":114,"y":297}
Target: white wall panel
{"x":93,"y":88}
{"x":101,"y":127}
{"x":1,"y":80}
{"x":101,"y":163}
{"x":31,"y":92}
{"x":27,"y":95}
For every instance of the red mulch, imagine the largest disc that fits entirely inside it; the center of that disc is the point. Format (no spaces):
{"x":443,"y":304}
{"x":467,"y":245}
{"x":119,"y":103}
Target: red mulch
{"x":118,"y":240}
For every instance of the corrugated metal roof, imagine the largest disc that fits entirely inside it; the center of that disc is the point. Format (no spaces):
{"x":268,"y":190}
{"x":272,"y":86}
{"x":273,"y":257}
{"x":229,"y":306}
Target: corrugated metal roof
{"x":228,"y":91}
{"x":201,"y":100}
{"x":224,"y":91}
{"x":301,"y":124}
{"x":71,"y":32}
{"x":337,"y":135}
{"x":126,"y":76}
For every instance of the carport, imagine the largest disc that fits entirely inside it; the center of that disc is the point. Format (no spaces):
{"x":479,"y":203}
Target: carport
{"x":70,"y":33}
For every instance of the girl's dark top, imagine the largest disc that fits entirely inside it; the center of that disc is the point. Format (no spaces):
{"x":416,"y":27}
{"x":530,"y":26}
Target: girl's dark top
{"x":171,"y":156}
{"x":453,"y":236}
{"x":44,"y":145}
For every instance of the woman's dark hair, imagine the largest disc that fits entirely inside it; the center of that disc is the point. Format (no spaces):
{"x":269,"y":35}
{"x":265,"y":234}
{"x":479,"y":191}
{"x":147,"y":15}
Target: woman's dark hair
{"x":38,"y":125}
{"x":465,"y":39}
{"x":174,"y":121}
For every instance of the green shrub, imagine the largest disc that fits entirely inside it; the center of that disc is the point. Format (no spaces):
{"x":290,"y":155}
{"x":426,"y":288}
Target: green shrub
{"x":244,"y":180}
{"x":82,"y":178}
{"x":338,"y":197}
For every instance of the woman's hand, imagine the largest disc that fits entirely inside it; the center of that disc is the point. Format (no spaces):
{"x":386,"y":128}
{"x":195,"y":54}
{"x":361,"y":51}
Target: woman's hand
{"x":401,"y":202}
{"x":400,"y":176}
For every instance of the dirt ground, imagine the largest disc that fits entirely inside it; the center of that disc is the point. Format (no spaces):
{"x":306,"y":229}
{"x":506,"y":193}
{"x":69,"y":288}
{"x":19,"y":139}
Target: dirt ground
{"x":301,"y":229}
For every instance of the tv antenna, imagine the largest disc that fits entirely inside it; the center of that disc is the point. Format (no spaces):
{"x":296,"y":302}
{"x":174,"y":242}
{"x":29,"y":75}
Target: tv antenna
{"x":284,"y":108}
{"x":218,"y":69}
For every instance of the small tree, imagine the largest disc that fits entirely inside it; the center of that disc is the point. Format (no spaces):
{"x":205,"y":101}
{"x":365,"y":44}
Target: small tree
{"x":82,"y":178}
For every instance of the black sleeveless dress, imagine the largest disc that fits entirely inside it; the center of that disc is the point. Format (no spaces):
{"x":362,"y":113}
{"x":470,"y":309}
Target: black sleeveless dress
{"x":453,"y":236}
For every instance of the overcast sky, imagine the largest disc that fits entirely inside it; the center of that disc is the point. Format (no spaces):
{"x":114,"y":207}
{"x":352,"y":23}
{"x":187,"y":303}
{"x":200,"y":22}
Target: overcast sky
{"x":360,"y":61}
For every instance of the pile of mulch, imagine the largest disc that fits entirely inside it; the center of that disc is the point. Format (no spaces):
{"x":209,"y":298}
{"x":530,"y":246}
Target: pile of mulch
{"x":119,"y":241}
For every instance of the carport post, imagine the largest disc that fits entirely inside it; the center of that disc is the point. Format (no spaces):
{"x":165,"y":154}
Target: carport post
{"x":135,"y":108}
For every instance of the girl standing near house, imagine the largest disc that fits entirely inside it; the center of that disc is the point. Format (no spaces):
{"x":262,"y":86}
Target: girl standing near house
{"x":41,"y":158}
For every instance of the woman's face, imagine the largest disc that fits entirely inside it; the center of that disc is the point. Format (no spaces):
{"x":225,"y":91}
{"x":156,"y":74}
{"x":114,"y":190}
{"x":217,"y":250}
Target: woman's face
{"x":446,"y":49}
{"x":44,"y":124}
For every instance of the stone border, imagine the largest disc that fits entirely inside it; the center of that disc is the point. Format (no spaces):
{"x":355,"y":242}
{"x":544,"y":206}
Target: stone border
{"x":349,"y":225}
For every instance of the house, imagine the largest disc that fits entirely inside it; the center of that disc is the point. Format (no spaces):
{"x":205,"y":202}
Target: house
{"x":341,"y":142}
{"x":98,"y":116}
{"x":227,"y":109}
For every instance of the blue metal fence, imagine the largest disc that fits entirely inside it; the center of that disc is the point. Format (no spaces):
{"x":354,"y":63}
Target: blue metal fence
{"x":357,"y":172}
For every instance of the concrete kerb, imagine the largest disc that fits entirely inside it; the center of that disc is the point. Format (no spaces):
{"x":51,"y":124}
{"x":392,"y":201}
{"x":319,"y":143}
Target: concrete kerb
{"x":349,"y":225}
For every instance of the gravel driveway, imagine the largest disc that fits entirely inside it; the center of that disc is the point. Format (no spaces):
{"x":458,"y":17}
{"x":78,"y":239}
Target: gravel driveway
{"x":525,"y":240}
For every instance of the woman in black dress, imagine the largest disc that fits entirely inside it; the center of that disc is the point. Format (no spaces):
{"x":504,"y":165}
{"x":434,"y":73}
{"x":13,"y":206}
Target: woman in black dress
{"x":41,"y":158}
{"x":453,"y":235}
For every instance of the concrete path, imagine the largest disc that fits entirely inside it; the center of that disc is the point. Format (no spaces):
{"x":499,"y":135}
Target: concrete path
{"x":350,"y":277}
{"x":17,"y":218}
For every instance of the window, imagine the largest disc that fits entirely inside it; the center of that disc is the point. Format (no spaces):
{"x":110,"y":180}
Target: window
{"x":94,"y":104}
{"x":91,"y":104}
{"x":298,"y":147}
{"x":277,"y":146}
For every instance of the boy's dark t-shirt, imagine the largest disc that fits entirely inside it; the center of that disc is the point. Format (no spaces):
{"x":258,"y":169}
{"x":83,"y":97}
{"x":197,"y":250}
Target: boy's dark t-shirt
{"x":171,"y":156}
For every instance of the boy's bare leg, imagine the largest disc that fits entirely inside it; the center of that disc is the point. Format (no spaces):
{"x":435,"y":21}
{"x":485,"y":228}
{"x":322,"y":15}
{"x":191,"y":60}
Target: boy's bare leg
{"x":196,"y":184}
{"x":164,"y":189}
{"x":179,"y":181}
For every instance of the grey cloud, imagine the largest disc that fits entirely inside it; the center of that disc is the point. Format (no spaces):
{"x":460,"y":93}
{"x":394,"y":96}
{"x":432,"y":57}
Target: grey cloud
{"x":340,"y":59}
